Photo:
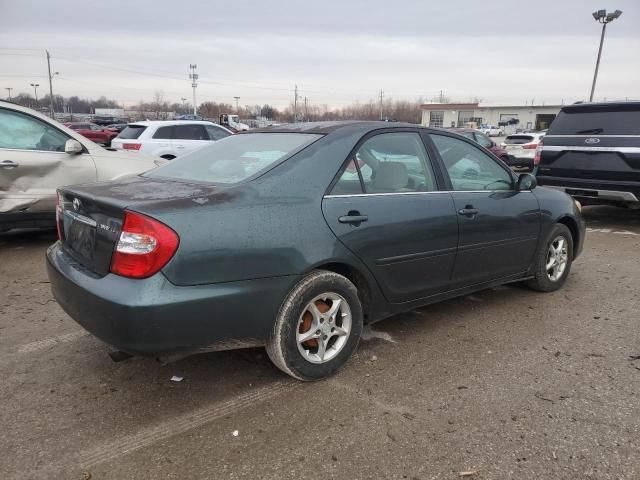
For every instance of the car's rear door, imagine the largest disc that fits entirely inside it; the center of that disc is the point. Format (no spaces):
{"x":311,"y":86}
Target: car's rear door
{"x":498,"y":225}
{"x":595,"y":146}
{"x":387,"y":208}
{"x":33,"y":164}
{"x":189,"y":137}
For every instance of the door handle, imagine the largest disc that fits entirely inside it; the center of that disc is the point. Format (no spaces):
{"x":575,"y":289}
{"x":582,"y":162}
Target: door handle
{"x":353,"y":217}
{"x":8,"y":164}
{"x":468,"y":211}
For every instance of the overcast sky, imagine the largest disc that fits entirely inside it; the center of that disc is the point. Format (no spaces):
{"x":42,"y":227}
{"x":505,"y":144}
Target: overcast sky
{"x":336,"y":51}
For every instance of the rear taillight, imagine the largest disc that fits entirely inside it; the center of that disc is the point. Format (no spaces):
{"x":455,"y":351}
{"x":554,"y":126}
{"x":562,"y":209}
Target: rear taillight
{"x":536,"y":159}
{"x":131,"y":146}
{"x":144,"y":247}
{"x":59,"y":215}
{"x":530,"y":146}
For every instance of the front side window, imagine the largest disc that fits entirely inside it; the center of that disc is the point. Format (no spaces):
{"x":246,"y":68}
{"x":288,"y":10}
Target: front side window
{"x":235,"y":158}
{"x":23,"y":132}
{"x":395,"y":163}
{"x":470,"y":168}
{"x":216,"y":133}
{"x":190,"y":132}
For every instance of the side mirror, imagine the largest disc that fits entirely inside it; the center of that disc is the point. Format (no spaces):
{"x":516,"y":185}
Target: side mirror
{"x":73,"y":147}
{"x":526,"y":181}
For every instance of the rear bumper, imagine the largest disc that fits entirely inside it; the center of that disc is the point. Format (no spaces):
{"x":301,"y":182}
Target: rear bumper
{"x":514,"y":161}
{"x":594,"y":190}
{"x":155,"y":317}
{"x":27,"y":220}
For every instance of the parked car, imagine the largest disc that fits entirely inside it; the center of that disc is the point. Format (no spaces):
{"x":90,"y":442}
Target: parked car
{"x":281,"y":237}
{"x":93,"y":132}
{"x":480,"y":138}
{"x":592,"y":152}
{"x":117,"y":127}
{"x":492,"y":130}
{"x":38,"y":155}
{"x":169,"y":138}
{"x":522,"y":147}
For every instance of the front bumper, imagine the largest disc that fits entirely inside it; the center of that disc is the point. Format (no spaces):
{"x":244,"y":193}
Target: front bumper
{"x":155,"y":317}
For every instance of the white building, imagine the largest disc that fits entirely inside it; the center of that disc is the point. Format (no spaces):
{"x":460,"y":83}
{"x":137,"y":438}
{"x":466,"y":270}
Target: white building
{"x":510,"y":117}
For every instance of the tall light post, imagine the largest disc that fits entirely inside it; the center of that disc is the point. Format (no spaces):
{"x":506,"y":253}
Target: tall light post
{"x":237,"y":107}
{"x":604,"y":18}
{"x":8,"y":89}
{"x":35,"y":90}
{"x":183,"y":100}
{"x":194,"y":83}
{"x":51,"y":107}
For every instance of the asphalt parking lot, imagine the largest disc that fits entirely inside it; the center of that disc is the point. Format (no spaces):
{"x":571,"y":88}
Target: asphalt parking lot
{"x":506,"y":383}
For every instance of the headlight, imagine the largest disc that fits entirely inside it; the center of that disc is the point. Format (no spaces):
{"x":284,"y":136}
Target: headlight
{"x":578,"y":205}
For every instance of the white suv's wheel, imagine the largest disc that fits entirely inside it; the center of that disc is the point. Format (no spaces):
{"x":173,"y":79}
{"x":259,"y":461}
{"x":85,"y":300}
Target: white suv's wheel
{"x":318,"y":326}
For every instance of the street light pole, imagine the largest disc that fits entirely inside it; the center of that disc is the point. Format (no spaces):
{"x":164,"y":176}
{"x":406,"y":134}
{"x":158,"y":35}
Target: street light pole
{"x":237,"y":107}
{"x":35,"y":90}
{"x":8,"y":89}
{"x":604,"y":18}
{"x":194,"y":84}
{"x":51,"y":84}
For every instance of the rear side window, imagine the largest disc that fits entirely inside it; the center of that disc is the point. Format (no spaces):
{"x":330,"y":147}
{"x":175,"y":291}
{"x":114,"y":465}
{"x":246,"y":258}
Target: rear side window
{"x":132,"y":131}
{"x":190,"y":132}
{"x":164,"y":133}
{"x":235,"y":158}
{"x":395,"y":163}
{"x":596,"y":122}
{"x":518,"y":139}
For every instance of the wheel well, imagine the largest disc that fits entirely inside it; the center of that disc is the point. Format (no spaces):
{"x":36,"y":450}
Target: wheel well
{"x":570,"y":223}
{"x":357,"y":278}
{"x":168,"y":157}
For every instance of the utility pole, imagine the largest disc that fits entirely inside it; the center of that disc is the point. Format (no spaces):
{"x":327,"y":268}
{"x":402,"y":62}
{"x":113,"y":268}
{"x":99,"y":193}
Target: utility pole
{"x":8,"y":89}
{"x":295,"y":105}
{"x":237,"y":107}
{"x":604,"y":18}
{"x":183,"y":99}
{"x":35,"y":90}
{"x":306,"y":111}
{"x":50,"y":84}
{"x":381,"y":97}
{"x":194,"y":83}
{"x":441,"y":96}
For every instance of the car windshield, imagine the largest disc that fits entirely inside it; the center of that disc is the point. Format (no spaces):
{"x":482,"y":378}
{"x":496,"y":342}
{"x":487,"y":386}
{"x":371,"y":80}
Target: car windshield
{"x":234,"y":158}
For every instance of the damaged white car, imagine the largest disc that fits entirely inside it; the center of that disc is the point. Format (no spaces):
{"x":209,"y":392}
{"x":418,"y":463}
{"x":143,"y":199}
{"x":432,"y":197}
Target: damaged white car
{"x":38,"y":155}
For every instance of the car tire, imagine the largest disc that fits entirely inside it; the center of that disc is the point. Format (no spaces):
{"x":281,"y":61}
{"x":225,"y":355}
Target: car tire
{"x":550,"y":274}
{"x":324,"y":309}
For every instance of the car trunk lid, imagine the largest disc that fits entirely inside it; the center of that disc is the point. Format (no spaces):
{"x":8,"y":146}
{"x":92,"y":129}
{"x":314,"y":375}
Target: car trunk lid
{"x":90,"y":217}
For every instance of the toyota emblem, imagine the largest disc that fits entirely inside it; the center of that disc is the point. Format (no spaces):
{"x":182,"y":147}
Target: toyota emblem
{"x":591,"y":141}
{"x":76,"y":204}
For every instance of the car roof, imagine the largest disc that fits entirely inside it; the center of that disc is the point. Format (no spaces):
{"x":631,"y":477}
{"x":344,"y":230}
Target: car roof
{"x":324,"y":128}
{"x":596,"y":106}
{"x":463,"y":130}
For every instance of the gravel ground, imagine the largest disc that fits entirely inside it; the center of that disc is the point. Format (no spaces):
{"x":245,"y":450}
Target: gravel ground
{"x":506,"y":383}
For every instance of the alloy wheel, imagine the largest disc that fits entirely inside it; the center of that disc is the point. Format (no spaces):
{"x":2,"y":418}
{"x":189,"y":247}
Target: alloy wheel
{"x":557,"y":258}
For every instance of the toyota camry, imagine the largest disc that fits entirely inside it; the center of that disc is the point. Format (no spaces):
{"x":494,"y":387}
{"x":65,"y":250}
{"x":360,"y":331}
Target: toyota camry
{"x":293,"y":237}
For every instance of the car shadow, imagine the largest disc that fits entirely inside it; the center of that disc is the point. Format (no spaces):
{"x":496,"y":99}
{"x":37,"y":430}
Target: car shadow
{"x":606,"y":216}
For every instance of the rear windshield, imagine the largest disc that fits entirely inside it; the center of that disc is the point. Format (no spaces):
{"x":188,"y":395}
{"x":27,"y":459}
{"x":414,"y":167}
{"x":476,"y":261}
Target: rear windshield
{"x":518,"y":139}
{"x":235,"y":158}
{"x":132,"y":131}
{"x":597,"y":123}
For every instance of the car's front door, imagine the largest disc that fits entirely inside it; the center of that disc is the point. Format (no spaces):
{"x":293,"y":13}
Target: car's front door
{"x":386,"y":208}
{"x":33,"y":164}
{"x":499,"y":226}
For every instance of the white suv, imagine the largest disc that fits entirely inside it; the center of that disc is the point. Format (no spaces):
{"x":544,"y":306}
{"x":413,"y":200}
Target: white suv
{"x":169,"y":139}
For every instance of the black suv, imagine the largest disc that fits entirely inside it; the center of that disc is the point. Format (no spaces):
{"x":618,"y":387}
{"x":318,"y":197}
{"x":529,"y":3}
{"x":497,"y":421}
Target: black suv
{"x":592,"y":152}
